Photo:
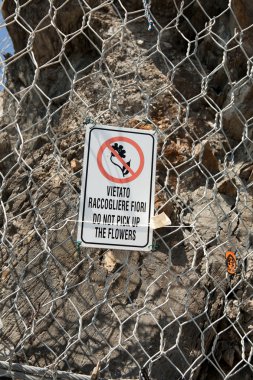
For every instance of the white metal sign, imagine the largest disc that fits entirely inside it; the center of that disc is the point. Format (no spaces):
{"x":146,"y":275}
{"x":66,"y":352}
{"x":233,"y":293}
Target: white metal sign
{"x":117,"y":188}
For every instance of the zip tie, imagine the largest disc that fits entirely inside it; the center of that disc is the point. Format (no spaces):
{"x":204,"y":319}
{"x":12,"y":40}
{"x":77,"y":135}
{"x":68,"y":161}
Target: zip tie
{"x":147,"y":14}
{"x":154,"y":246}
{"x":78,"y":246}
{"x":88,"y":120}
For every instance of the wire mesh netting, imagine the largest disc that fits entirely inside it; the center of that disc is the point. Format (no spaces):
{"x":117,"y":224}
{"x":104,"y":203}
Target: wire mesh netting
{"x":184,"y":70}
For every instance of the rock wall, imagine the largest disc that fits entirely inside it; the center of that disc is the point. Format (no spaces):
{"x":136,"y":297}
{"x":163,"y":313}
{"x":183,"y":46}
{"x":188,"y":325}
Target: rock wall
{"x":169,"y":313}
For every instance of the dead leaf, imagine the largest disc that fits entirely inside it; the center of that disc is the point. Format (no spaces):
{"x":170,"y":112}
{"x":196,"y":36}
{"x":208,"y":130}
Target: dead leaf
{"x":75,"y":165}
{"x":109,"y":261}
{"x":159,"y":221}
{"x":95,"y":372}
{"x":5,"y":273}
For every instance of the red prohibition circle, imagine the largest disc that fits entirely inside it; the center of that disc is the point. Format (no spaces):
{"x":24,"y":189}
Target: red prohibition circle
{"x":105,"y":145}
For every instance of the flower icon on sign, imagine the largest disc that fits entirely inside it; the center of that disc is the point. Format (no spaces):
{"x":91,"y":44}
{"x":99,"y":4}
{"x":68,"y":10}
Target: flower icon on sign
{"x":122,"y":153}
{"x":120,"y":149}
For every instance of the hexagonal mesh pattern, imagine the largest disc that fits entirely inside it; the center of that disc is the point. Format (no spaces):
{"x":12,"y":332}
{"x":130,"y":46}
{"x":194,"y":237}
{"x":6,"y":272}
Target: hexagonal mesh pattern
{"x":184,"y":70}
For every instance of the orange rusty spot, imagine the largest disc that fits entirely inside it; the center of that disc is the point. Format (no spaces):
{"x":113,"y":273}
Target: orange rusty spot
{"x":231,"y":262}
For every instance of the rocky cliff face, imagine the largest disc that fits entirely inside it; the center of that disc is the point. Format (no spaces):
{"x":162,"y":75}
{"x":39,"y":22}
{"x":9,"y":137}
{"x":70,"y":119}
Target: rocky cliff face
{"x":170,"y":313}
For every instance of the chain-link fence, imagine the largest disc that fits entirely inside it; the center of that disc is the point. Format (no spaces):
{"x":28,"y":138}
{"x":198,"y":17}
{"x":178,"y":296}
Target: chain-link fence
{"x":184,"y":70}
